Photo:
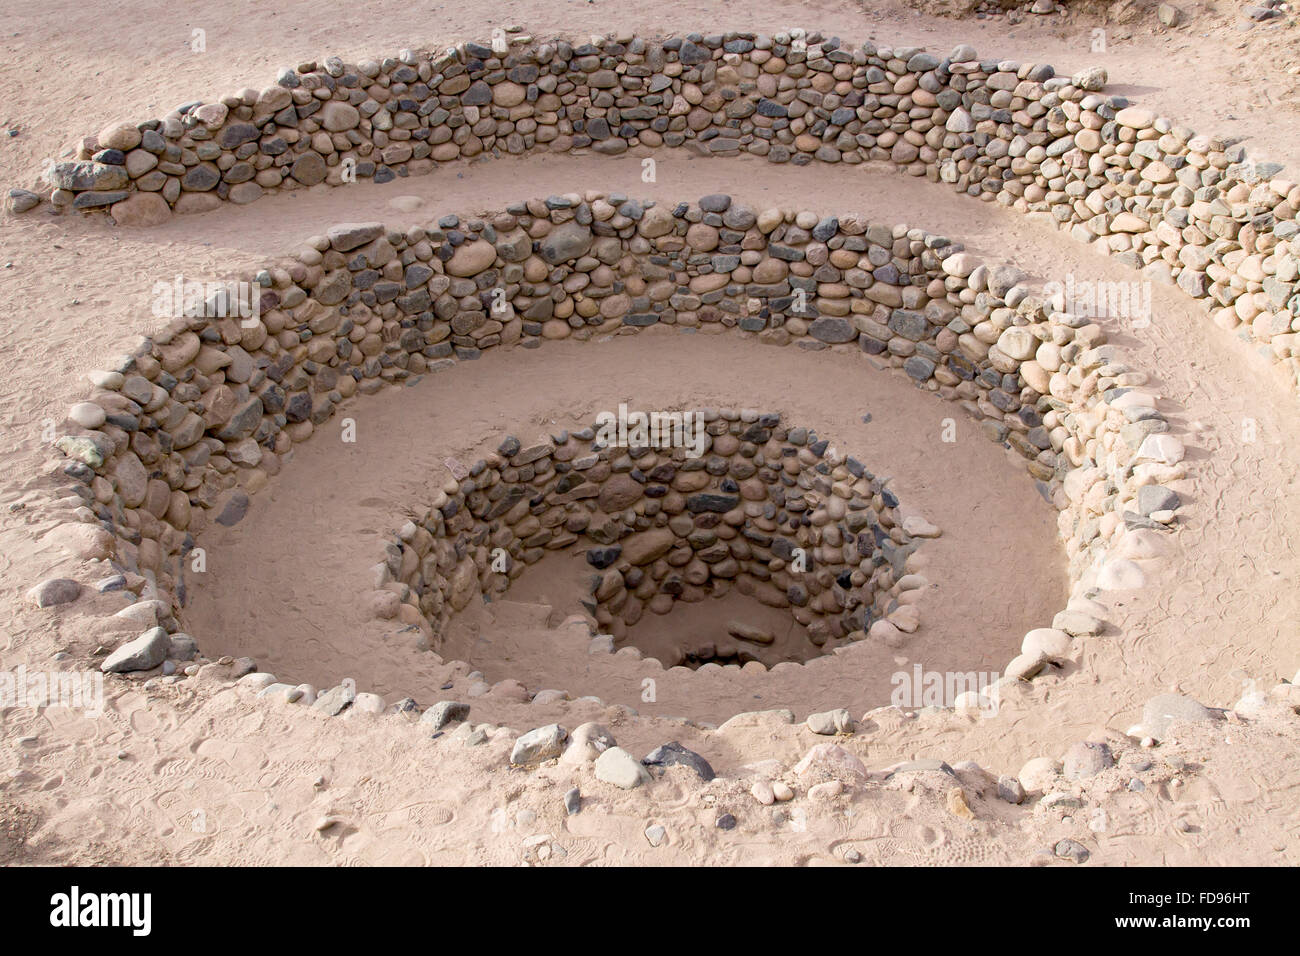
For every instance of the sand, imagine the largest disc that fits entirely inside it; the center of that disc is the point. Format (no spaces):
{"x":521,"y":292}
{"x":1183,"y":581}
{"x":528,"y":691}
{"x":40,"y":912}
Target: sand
{"x":197,"y":772}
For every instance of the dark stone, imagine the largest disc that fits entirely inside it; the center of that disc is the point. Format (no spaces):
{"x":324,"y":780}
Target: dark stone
{"x":308,"y":169}
{"x":234,"y":510}
{"x":833,"y":330}
{"x":601,"y":558}
{"x":201,"y":178}
{"x":910,"y":325}
{"x":825,"y":229}
{"x":674,"y":754}
{"x":90,"y":200}
{"x":245,"y":419}
{"x":709,"y":502}
{"x":691,"y":54}
{"x":478,"y":94}
{"x":919,"y":367}
{"x":237,"y":134}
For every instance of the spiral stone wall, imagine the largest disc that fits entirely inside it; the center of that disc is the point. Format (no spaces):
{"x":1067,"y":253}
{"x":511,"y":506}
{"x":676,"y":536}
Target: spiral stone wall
{"x":762,"y":509}
{"x":1188,"y":209}
{"x":183,"y":432}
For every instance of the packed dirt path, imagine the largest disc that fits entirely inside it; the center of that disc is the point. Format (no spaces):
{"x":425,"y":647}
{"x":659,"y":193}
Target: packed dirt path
{"x":125,"y":787}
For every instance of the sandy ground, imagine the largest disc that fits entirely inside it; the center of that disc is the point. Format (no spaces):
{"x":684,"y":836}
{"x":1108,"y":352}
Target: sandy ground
{"x":997,"y":561}
{"x":197,"y":773}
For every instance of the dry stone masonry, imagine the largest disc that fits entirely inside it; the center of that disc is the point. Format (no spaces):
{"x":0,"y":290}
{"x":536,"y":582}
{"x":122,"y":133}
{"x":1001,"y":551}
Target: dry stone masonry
{"x":183,"y":432}
{"x":187,"y":429}
{"x":1189,"y":209}
{"x":765,"y":510}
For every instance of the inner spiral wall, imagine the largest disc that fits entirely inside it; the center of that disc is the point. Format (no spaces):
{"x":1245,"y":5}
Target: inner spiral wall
{"x":756,"y":507}
{"x":194,"y":423}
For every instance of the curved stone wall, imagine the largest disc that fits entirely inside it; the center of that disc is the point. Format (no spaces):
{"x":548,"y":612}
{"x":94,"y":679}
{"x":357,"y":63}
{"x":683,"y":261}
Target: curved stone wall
{"x":1184,"y":208}
{"x":208,"y":411}
{"x":752,"y":505}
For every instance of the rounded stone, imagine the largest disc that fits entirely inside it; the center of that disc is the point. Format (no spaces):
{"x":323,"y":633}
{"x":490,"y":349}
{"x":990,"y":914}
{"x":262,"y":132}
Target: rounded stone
{"x":471,"y":258}
{"x":87,"y":414}
{"x":141,"y":209}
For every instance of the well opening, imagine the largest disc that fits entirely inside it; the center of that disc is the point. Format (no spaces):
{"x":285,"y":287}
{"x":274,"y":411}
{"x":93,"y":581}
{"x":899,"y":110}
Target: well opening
{"x":755,"y":542}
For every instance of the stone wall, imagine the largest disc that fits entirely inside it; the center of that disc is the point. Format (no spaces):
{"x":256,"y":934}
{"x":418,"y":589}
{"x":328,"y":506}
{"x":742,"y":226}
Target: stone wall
{"x":206,"y":412}
{"x":1183,"y":208}
{"x":660,"y":526}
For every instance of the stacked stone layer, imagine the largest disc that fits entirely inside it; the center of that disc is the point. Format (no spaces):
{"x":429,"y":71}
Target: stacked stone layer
{"x":764,"y":510}
{"x":1183,"y":208}
{"x":205,"y":413}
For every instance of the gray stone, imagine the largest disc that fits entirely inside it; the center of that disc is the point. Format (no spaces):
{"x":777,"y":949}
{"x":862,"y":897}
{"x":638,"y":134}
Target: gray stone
{"x":918,"y":367}
{"x":309,"y":169}
{"x":1153,"y":498}
{"x":540,"y":744}
{"x":114,"y":582}
{"x":908,"y":324}
{"x":347,"y":236}
{"x":834,"y":331}
{"x":1071,"y":850}
{"x":182,"y":647}
{"x":93,"y":200}
{"x":243,"y":421}
{"x":87,"y":174}
{"x":443,"y":713}
{"x":237,"y":134}
{"x":54,"y":591}
{"x":144,"y":653}
{"x":233,"y":511}
{"x":22,"y":200}
{"x":334,"y":700}
{"x":200,"y":178}
{"x":1002,"y":278}
{"x":573,"y":802}
{"x":692,"y":54}
{"x":1164,"y":709}
{"x":566,"y":241}
{"x":1010,"y":789}
{"x":478,"y":94}
{"x":1260,"y":14}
